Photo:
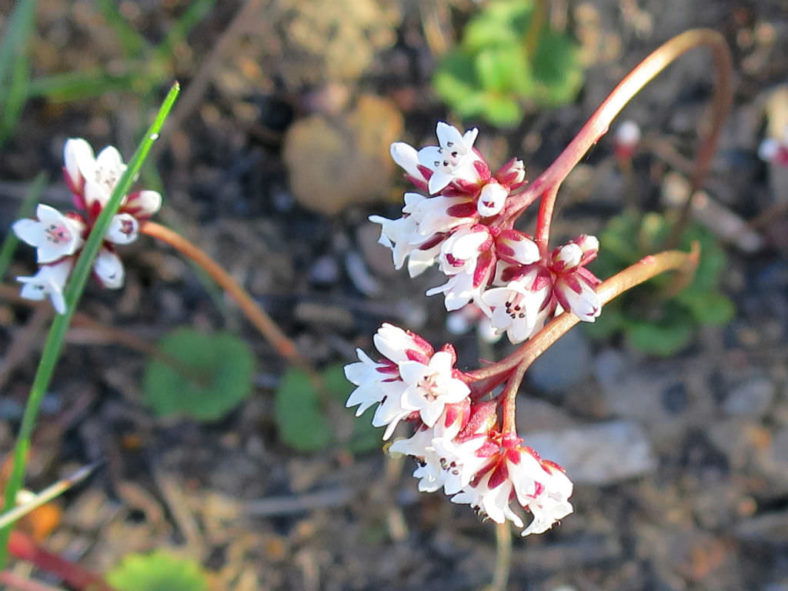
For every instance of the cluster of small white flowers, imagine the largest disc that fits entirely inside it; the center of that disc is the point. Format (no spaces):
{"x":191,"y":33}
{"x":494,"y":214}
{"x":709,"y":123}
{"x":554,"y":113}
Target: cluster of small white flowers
{"x":461,"y":225}
{"x":457,"y":442}
{"x":58,"y":238}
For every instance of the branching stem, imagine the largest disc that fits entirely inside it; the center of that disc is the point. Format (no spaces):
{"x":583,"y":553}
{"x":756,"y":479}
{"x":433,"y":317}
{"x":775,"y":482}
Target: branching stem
{"x":548,"y":183}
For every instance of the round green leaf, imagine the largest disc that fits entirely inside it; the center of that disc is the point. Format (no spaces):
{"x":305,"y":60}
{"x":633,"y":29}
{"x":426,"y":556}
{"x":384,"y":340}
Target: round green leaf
{"x":157,"y":572}
{"x":365,"y":437}
{"x":556,"y":69}
{"x":709,"y":307}
{"x":659,"y":339}
{"x":205,"y":377}
{"x":301,"y":421}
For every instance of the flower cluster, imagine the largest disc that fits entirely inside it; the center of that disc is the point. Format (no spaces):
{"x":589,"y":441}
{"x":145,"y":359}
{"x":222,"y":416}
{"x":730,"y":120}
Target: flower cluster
{"x":462,"y":225}
{"x":59,"y":237}
{"x":457,"y":441}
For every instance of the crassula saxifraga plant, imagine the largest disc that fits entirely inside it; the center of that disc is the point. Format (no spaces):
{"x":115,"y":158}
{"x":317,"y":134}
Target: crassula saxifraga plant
{"x":461,"y":217}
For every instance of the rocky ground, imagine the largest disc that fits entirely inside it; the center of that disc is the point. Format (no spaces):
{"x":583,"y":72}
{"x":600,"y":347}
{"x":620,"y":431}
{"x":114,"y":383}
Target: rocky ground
{"x":680,"y":464}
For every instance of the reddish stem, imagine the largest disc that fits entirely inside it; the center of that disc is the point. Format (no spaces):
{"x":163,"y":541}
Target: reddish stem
{"x":73,"y":575}
{"x":256,"y":315}
{"x":550,"y":180}
{"x":643,"y":270}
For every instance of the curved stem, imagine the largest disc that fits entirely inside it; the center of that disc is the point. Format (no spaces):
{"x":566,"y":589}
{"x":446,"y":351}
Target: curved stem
{"x":256,"y":315}
{"x":643,"y":270}
{"x":509,"y":427}
{"x":549,"y":181}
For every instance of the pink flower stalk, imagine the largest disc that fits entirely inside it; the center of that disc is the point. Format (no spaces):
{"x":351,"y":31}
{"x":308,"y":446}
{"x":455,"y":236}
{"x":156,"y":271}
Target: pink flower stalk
{"x":58,"y":238}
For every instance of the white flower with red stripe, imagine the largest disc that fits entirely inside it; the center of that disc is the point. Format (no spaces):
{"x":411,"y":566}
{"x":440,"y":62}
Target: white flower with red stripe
{"x":454,"y":160}
{"x":48,"y":283}
{"x":53,"y":234}
{"x":573,"y":284}
{"x":513,"y":480}
{"x":775,"y":150}
{"x":58,"y":237}
{"x":412,"y":380}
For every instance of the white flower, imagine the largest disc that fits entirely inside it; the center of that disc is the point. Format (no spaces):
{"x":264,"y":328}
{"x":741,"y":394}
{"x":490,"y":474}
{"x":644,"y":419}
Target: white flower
{"x":518,"y":308}
{"x":141,"y":204}
{"x":48,"y":282}
{"x":775,"y":150}
{"x":123,"y":229}
{"x":440,"y":214}
{"x":382,"y":383}
{"x":627,"y":135}
{"x":93,"y":179}
{"x":491,"y":199}
{"x":108,"y":269}
{"x":517,"y":479}
{"x":96,"y":175}
{"x":53,"y":235}
{"x":551,"y":502}
{"x":460,"y":251}
{"x":431,"y":386}
{"x":452,"y":160}
{"x":367,"y":375}
{"x":407,"y":158}
{"x":516,"y":248}
{"x":458,"y":291}
{"x":574,"y":285}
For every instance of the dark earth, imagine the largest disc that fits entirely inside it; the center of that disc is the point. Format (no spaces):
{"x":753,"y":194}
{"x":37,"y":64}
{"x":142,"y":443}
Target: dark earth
{"x":680,"y":463}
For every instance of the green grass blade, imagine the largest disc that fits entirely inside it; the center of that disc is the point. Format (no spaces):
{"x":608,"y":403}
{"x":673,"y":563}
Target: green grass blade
{"x":71,"y":86}
{"x":17,"y":32}
{"x":15,"y":96}
{"x":191,"y":16}
{"x":73,"y":292}
{"x":131,"y":42}
{"x":25,"y":211}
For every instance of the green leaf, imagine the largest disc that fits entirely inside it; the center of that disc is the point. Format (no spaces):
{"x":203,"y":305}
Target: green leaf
{"x":201,"y":376}
{"x":365,"y":437}
{"x":610,"y":321}
{"x":158,"y":571}
{"x":297,"y":410}
{"x":502,"y":110}
{"x":708,"y":307}
{"x":455,"y":78}
{"x":504,"y":69}
{"x":556,"y":69}
{"x":659,"y":339}
{"x":503,"y":22}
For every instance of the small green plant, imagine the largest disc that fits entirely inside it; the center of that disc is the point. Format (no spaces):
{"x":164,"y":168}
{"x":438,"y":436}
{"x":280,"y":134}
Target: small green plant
{"x":302,"y":415}
{"x":651,"y":323}
{"x":197,"y":375}
{"x":509,"y":60}
{"x":158,"y":571}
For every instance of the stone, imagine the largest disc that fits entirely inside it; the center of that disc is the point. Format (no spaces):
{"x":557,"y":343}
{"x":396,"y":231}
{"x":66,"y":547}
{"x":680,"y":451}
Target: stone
{"x":565,"y":364}
{"x":750,"y":398}
{"x":598,"y":454}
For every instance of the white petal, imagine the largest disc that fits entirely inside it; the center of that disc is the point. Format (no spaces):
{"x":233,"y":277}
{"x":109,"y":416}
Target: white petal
{"x":123,"y":229}
{"x":439,"y":181}
{"x":449,"y":136}
{"x":109,"y":269}
{"x":79,"y":160}
{"x":110,"y":161}
{"x":768,"y":149}
{"x":492,"y":199}
{"x":30,"y":231}
{"x":143,"y":203}
{"x":406,"y":158}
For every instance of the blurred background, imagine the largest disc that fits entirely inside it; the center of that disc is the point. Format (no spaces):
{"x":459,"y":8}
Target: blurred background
{"x":670,"y":416}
